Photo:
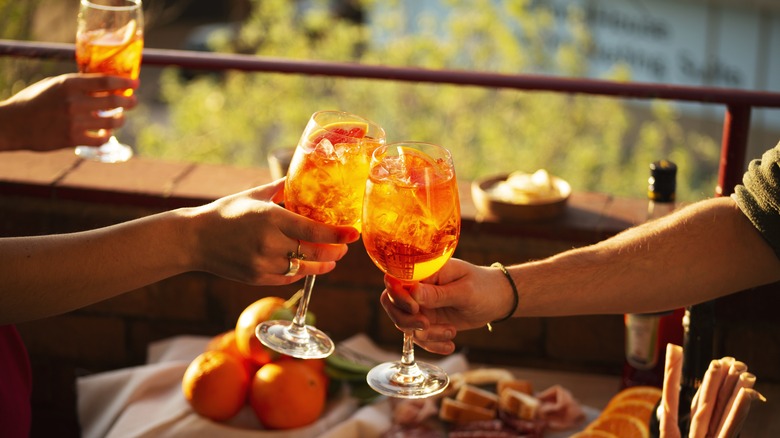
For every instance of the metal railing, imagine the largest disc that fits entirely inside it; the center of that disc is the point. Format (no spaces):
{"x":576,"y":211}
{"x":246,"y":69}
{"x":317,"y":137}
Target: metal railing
{"x":736,"y":123}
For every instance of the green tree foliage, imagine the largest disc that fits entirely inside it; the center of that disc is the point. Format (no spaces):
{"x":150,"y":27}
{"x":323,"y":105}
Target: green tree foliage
{"x":596,"y":143}
{"x":16,"y":24}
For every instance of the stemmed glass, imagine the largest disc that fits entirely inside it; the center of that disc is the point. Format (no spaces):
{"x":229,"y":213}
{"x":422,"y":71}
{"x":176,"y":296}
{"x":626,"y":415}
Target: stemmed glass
{"x":109,"y":40}
{"x":325,"y":182}
{"x":411,"y":225}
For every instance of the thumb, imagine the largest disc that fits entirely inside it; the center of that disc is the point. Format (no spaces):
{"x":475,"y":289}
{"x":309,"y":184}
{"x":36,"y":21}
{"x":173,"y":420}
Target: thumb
{"x":429,"y":295}
{"x":447,"y":288}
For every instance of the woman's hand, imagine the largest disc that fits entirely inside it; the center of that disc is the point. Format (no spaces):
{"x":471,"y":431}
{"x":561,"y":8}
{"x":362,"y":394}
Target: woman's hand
{"x":247,"y":237}
{"x":62,"y":112}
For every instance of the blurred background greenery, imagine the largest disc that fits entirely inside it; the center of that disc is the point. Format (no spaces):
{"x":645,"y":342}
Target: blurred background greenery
{"x":597,"y":144}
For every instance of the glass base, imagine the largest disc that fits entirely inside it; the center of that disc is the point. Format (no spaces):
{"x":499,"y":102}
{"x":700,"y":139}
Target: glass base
{"x":309,"y":343}
{"x":424,"y":380}
{"x":110,"y":152}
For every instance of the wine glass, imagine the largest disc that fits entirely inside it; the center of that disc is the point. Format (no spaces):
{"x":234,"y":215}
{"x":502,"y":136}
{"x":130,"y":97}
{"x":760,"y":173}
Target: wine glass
{"x":325,"y":182}
{"x":109,"y":40}
{"x":411,"y":225}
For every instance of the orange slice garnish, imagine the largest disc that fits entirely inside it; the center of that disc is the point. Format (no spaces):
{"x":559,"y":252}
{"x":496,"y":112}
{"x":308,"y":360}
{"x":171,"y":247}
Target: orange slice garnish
{"x":622,"y":425}
{"x":641,"y":409}
{"x":650,"y":394}
{"x":340,"y":132}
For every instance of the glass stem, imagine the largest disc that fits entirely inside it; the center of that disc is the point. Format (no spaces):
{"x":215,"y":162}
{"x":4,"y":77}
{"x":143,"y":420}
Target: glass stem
{"x":298,"y":326}
{"x":407,"y":360}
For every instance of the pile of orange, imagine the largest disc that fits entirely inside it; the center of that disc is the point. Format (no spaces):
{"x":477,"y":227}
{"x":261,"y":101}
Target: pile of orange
{"x":237,"y":370}
{"x":627,"y":415}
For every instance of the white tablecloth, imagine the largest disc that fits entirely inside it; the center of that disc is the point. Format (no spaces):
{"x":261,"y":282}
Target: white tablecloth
{"x":146,"y":401}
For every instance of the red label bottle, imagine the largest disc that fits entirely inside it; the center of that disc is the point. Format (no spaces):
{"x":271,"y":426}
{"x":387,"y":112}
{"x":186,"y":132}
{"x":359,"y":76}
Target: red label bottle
{"x":648,"y":333}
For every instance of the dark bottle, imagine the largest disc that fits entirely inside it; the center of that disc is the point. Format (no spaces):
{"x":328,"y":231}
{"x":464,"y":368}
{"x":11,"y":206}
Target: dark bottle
{"x":699,"y":325}
{"x":648,"y":333}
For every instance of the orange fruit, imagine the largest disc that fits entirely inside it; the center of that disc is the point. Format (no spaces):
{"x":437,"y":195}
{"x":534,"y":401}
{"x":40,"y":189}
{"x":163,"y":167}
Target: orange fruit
{"x":246,"y":341}
{"x":223,"y":341}
{"x":318,"y":365}
{"x":215,"y":385}
{"x":641,"y":409}
{"x":226,"y":342}
{"x":622,"y":425}
{"x":287,"y":394}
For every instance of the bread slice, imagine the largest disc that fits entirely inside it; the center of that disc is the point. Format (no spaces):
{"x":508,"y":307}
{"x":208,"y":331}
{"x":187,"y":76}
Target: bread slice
{"x":523,"y":386}
{"x":518,"y":404}
{"x":455,"y":411}
{"x":475,"y":396}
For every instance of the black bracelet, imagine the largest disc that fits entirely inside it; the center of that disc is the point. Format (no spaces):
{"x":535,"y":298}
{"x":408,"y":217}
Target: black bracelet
{"x":516,"y":297}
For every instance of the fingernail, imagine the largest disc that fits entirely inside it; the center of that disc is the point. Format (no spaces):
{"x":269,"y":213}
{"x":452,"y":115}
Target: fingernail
{"x":354,"y":235}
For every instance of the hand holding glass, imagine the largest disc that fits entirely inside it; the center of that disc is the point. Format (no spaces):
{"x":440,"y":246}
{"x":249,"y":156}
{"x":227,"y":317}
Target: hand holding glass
{"x":411,"y":226}
{"x":109,"y":40}
{"x":325,"y":182}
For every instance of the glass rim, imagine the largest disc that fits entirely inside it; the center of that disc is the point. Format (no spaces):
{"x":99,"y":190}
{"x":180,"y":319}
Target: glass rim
{"x":386,"y":146}
{"x":346,"y":115}
{"x":130,"y":5}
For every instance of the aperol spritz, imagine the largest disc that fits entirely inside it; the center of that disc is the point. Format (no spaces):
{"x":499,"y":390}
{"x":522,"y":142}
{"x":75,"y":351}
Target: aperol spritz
{"x":325,"y":182}
{"x":110,"y":40}
{"x":411,"y":226}
{"x":327,"y":174}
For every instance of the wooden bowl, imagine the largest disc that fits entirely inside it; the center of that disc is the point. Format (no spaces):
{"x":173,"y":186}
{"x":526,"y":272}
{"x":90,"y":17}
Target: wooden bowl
{"x":532,"y":210}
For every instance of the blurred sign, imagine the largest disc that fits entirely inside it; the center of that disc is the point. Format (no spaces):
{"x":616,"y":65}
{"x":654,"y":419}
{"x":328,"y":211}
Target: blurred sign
{"x":689,"y":43}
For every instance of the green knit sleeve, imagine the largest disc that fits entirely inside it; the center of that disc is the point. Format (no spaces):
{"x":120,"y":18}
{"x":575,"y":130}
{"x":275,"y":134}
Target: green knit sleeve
{"x":759,"y":196}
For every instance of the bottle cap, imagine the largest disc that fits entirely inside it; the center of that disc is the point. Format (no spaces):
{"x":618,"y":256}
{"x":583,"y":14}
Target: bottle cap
{"x":662,"y":183}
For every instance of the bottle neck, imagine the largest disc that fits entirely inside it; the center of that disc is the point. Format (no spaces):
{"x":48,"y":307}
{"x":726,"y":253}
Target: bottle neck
{"x":656,"y":208}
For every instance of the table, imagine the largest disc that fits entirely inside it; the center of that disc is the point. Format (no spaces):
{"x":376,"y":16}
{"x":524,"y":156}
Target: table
{"x":147,"y":400}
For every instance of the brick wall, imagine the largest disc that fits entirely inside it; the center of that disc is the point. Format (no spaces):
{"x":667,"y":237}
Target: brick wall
{"x":55,"y":193}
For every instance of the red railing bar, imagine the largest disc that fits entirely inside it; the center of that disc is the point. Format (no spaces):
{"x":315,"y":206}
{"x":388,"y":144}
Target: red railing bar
{"x":222,"y":61}
{"x":736,"y":121}
{"x":736,"y":127}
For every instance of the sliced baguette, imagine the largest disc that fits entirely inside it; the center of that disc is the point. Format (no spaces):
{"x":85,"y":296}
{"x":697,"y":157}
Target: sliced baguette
{"x":474,"y":396}
{"x":455,"y":411}
{"x":523,"y":386}
{"x":518,"y":404}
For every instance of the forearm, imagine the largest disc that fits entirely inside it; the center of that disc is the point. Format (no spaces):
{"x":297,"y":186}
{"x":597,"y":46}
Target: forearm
{"x":47,"y":275}
{"x":8,"y":138}
{"x":710,"y":251}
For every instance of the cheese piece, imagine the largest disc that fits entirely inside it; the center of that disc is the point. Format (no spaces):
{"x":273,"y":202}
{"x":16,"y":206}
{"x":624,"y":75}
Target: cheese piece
{"x":522,"y":188}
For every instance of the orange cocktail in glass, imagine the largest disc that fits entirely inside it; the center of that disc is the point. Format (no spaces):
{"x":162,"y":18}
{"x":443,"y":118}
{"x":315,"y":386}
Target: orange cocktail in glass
{"x":412,"y":221}
{"x":411,"y":226}
{"x":325,"y":182}
{"x":115,"y":53}
{"x":327,"y":174}
{"x":109,"y":40}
